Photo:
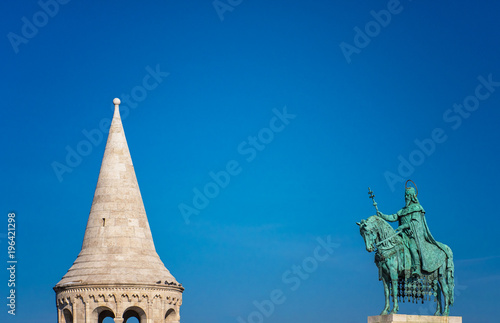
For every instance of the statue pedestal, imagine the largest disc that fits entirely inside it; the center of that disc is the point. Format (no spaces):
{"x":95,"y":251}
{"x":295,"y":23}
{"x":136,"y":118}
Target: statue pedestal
{"x":401,"y":318}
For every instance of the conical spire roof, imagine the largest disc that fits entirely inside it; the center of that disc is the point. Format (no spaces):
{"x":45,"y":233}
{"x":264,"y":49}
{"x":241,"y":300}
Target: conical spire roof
{"x":118,"y":247}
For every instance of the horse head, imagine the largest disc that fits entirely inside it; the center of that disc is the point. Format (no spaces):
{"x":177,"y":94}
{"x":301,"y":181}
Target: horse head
{"x":368,"y":232}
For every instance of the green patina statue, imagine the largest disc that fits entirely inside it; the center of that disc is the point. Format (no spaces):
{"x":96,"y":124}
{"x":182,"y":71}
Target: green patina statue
{"x":412,"y":264}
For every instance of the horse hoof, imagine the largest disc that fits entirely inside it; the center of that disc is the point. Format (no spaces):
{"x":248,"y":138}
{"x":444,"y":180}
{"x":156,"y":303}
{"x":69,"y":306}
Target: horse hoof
{"x":384,"y":312}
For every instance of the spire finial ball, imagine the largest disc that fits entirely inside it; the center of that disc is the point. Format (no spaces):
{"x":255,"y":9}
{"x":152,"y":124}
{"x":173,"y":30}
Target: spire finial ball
{"x":116,"y":101}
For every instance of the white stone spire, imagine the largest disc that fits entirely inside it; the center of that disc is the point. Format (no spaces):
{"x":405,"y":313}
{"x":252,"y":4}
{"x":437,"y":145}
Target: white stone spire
{"x":118,"y":248}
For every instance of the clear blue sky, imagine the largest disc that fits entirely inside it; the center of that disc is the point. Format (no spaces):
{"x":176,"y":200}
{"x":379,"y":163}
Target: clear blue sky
{"x":409,"y":92}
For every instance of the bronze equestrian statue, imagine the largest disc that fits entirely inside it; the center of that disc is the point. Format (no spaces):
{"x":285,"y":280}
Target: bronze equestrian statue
{"x":412,"y":265}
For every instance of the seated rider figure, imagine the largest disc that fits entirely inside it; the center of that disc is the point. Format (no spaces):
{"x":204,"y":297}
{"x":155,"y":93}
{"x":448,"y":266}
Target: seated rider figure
{"x":413,"y":228}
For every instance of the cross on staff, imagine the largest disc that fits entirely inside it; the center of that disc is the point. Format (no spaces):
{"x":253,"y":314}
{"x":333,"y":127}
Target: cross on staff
{"x":372,"y":196}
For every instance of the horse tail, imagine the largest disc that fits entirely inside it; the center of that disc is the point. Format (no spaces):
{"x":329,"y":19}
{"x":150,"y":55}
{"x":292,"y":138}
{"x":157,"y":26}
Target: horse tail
{"x":450,"y":272}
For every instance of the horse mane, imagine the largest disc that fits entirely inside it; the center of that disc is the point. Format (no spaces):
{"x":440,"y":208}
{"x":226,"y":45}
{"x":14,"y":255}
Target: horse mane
{"x":385,"y":230}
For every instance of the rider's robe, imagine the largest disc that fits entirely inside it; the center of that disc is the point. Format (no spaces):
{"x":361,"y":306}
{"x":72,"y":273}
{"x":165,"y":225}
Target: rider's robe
{"x":428,"y":248}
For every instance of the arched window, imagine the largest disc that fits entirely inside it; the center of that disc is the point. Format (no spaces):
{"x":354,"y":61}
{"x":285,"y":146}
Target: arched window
{"x":68,"y":317}
{"x":134,"y":312}
{"x":170,"y":316}
{"x":101,"y":313}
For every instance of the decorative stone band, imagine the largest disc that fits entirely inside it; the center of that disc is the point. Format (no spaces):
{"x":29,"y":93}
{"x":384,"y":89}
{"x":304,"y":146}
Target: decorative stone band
{"x":90,"y":304}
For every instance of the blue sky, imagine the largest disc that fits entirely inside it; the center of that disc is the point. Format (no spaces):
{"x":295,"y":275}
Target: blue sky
{"x":379,"y":92}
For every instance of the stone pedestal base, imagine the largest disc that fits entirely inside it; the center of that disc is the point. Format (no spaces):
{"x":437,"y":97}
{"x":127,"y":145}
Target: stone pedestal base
{"x":401,"y":318}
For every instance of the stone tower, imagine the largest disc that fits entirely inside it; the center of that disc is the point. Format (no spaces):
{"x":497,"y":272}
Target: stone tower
{"x":118,"y":273}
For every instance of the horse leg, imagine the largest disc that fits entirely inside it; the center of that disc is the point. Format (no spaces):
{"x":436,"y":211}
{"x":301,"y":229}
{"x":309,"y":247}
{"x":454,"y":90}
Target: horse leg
{"x":393,"y":270}
{"x":394,"y":284}
{"x":438,"y":300}
{"x":386,"y":292}
{"x":444,"y":288}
